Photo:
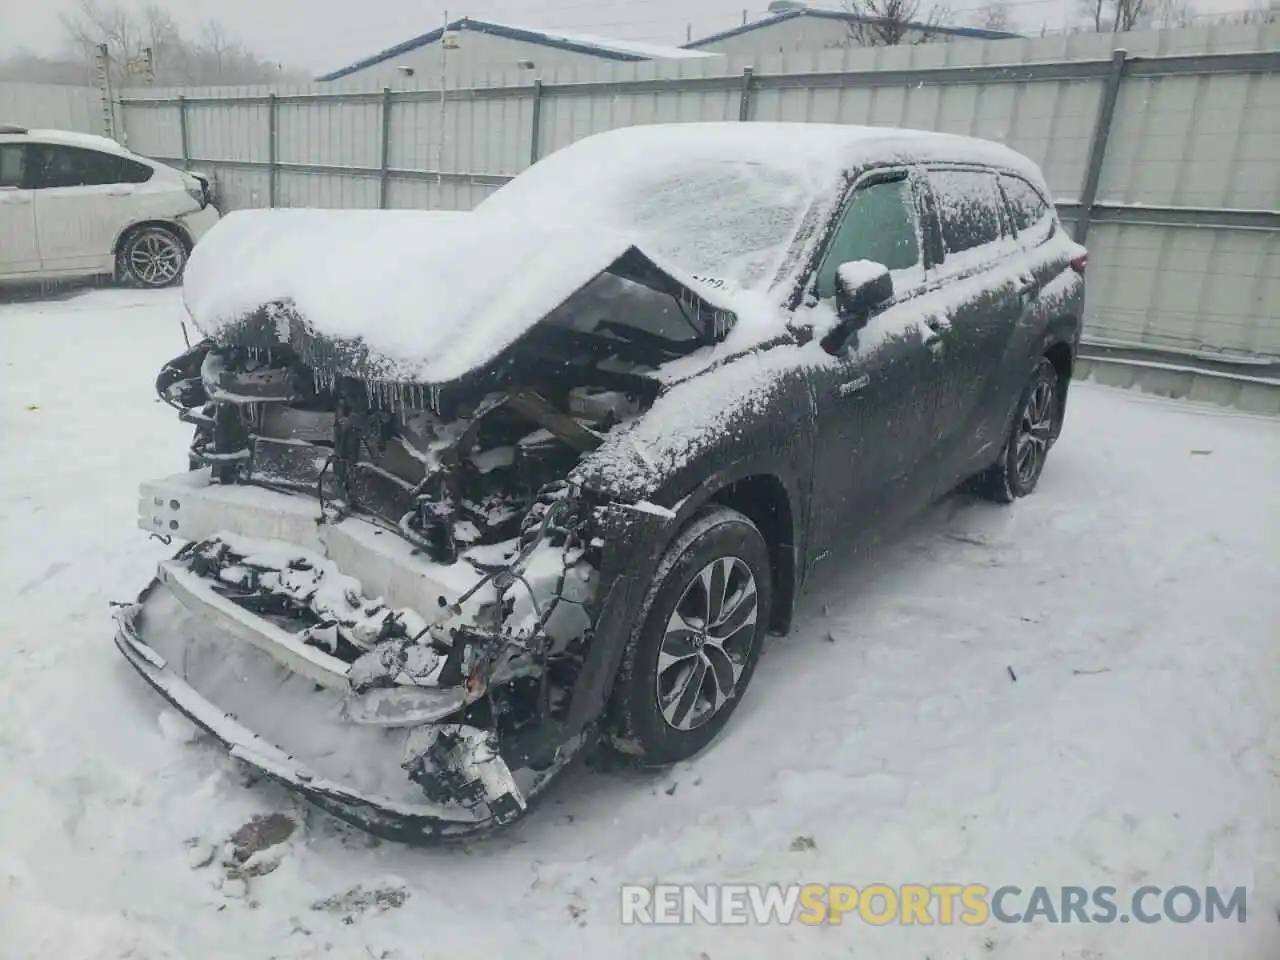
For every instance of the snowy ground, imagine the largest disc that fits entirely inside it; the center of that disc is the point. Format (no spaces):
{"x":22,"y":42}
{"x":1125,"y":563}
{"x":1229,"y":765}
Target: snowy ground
{"x":1134,"y":597}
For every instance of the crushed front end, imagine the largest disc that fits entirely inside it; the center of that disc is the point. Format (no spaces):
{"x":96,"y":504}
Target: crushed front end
{"x":389,"y":593}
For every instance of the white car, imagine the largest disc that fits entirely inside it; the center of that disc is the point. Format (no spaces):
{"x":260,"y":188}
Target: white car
{"x":72,"y":204}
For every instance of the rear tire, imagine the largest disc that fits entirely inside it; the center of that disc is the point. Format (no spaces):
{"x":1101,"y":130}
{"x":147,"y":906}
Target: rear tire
{"x":692,"y":655}
{"x":152,"y":257}
{"x":1022,"y":460}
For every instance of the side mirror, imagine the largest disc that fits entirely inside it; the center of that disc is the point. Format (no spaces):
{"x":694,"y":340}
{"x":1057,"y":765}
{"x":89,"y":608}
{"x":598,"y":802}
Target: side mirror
{"x":861,"y":285}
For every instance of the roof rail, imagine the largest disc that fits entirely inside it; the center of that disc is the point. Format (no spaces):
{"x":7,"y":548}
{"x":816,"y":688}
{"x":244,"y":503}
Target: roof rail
{"x":12,"y":128}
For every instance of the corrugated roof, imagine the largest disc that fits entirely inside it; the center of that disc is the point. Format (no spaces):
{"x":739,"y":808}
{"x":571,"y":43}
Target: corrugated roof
{"x":604,"y":47}
{"x":976,"y":33}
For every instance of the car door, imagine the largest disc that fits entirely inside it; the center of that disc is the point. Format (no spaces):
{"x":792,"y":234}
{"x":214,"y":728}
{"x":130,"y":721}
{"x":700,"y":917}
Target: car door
{"x":873,"y":402}
{"x":976,"y":305}
{"x":19,"y":253}
{"x":82,"y":205}
{"x":1035,"y":221}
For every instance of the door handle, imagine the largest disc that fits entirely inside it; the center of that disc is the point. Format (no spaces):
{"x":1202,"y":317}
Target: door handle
{"x":14,"y":201}
{"x":850,"y":387}
{"x":936,"y":331}
{"x":120,"y":191}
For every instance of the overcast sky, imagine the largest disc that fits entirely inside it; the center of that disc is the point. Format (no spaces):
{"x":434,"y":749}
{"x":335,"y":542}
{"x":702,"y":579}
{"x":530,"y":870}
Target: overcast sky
{"x":320,"y":34}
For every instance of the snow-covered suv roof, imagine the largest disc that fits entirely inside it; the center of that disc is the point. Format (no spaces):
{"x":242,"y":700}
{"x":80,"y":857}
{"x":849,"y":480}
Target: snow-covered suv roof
{"x":69,"y":138}
{"x":729,"y":210}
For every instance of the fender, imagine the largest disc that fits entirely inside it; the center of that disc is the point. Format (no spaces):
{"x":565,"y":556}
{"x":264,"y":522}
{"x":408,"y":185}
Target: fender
{"x":630,"y":573}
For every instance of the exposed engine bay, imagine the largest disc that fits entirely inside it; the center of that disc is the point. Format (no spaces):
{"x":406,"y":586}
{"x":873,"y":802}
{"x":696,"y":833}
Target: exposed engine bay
{"x":415,"y":553}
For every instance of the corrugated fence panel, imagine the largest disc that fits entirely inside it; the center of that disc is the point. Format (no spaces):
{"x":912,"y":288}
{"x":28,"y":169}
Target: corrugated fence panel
{"x":155,"y":132}
{"x":429,"y":195}
{"x":52,"y":106}
{"x":1195,"y":141}
{"x":238,"y":188}
{"x":229,"y":131}
{"x":329,"y":134}
{"x":1178,"y":140}
{"x":326,"y":191}
{"x":1185,"y":287}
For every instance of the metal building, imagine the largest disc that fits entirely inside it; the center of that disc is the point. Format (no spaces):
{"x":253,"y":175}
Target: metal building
{"x":469,"y":46}
{"x":793,"y":26}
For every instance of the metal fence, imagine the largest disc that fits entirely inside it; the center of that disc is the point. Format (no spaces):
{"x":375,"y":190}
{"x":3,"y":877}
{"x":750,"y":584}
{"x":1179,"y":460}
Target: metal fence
{"x":50,"y":105}
{"x":1165,"y":155}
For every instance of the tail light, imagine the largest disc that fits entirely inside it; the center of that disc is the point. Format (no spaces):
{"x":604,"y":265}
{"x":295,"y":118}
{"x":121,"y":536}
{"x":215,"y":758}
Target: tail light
{"x":198,"y":189}
{"x":1079,"y":263}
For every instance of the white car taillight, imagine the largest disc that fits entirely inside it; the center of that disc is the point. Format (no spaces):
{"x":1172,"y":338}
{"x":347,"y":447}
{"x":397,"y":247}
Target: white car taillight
{"x":198,"y":191}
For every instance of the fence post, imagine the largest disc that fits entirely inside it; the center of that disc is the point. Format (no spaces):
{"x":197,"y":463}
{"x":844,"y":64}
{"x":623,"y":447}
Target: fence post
{"x":182,"y":130}
{"x":744,"y":104}
{"x":535,"y":133}
{"x":271,"y":150}
{"x":1098,"y":143}
{"x":384,"y":184}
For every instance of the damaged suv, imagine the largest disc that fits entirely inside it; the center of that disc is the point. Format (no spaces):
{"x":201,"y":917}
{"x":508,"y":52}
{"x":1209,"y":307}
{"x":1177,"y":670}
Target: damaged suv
{"x":469,"y":492}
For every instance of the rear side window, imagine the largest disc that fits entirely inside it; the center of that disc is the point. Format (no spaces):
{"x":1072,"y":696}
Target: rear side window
{"x":13,"y":164}
{"x":59,"y":166}
{"x":879,"y":224}
{"x":968,"y":208}
{"x":133,"y":172}
{"x":1031,"y":213}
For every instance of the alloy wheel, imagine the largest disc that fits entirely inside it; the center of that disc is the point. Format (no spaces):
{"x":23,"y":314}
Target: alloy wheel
{"x":155,"y":258}
{"x":1034,"y":430}
{"x":707,"y":643}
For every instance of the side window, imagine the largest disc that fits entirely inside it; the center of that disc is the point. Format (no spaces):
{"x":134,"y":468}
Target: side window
{"x":133,"y":172}
{"x":13,"y":164}
{"x":1032,"y":215}
{"x":879,"y":224}
{"x":968,"y":208}
{"x":58,"y":166}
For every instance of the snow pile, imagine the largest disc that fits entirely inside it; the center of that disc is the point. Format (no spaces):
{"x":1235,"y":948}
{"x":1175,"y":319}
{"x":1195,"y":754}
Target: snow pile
{"x":30,"y":930}
{"x":1137,"y":745}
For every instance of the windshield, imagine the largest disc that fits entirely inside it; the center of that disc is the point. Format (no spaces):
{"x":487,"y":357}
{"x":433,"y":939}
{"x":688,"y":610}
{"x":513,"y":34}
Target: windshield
{"x":731,"y":220}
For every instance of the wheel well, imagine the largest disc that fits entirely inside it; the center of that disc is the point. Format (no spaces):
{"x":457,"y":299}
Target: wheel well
{"x":169,"y":225}
{"x":1060,"y":356}
{"x":764,"y":500}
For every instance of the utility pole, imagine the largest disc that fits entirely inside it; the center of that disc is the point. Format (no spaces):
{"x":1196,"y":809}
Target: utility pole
{"x":445,"y":40}
{"x":102,"y":58}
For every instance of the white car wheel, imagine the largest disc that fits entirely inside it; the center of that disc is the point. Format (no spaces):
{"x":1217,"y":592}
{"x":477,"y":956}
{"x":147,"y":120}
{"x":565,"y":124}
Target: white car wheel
{"x":153,"y":257}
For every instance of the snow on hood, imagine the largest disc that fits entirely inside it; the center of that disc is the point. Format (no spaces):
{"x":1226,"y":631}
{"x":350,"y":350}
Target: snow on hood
{"x":429,"y":296}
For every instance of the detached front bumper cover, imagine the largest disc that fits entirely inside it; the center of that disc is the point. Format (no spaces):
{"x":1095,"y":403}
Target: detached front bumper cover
{"x":466,"y":786}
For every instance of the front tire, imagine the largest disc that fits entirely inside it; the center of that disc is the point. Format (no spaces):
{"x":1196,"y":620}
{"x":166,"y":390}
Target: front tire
{"x":1022,"y":460}
{"x":152,"y":257}
{"x":693,"y":654}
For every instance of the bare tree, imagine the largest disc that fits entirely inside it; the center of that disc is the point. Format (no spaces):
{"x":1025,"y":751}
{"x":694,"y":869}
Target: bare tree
{"x":995,"y":16}
{"x":1116,"y":16}
{"x":1173,"y":14}
{"x":135,"y":36}
{"x":1259,"y":14}
{"x":889,"y":23}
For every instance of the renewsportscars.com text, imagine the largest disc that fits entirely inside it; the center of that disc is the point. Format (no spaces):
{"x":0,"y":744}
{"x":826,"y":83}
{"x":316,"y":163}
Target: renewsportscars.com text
{"x":972,"y":904}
